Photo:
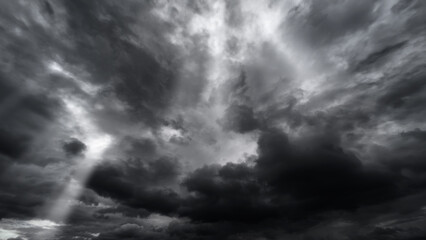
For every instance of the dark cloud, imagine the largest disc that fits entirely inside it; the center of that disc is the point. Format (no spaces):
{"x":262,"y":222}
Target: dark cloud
{"x":13,"y":145}
{"x":323,"y":22}
{"x":138,"y":184}
{"x":229,"y":193}
{"x":26,"y":113}
{"x":102,"y":33}
{"x":48,"y":8}
{"x":288,"y":180}
{"x":373,"y":58}
{"x":405,"y":93}
{"x":413,"y":10}
{"x":74,"y":147}
{"x":24,"y":199}
{"x":320,"y":174}
{"x":240,"y":116}
{"x":139,"y":147}
{"x":146,"y":88}
{"x":23,"y":116}
{"x":406,"y":152}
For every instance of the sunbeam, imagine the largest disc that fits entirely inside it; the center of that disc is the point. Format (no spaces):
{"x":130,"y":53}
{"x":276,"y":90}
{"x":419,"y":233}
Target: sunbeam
{"x":97,"y":142}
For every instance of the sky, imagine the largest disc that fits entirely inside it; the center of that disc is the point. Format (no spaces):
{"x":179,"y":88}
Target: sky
{"x":208,"y":119}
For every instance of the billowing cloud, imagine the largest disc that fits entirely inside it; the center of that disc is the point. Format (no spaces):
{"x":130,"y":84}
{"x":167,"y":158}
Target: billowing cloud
{"x":212,"y":119}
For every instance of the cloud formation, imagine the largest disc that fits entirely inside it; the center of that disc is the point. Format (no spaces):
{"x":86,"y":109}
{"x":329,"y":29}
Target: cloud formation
{"x":212,"y":119}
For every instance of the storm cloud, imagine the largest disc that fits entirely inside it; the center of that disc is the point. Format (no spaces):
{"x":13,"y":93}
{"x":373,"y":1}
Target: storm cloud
{"x":212,"y":119}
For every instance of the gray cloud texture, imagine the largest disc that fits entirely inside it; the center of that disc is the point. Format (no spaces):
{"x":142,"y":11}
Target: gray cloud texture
{"x":212,"y":119}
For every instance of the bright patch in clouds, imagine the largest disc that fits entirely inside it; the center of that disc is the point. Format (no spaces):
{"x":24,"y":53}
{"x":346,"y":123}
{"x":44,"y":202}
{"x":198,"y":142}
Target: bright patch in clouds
{"x":25,"y":229}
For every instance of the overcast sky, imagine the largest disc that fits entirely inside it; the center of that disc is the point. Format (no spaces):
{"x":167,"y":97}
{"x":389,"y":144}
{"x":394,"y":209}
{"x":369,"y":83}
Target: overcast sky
{"x":210,"y":120}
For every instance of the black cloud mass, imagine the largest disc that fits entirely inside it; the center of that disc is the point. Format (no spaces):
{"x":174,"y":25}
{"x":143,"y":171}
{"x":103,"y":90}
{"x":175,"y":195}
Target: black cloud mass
{"x":252,"y":120}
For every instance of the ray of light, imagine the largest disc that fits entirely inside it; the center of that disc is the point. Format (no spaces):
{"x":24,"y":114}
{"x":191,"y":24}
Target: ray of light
{"x":97,"y":142}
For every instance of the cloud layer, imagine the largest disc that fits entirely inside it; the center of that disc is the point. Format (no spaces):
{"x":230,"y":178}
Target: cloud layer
{"x":212,"y":119}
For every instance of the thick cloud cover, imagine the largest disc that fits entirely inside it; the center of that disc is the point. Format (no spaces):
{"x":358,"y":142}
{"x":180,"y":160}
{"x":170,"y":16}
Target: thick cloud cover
{"x":212,"y":119}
